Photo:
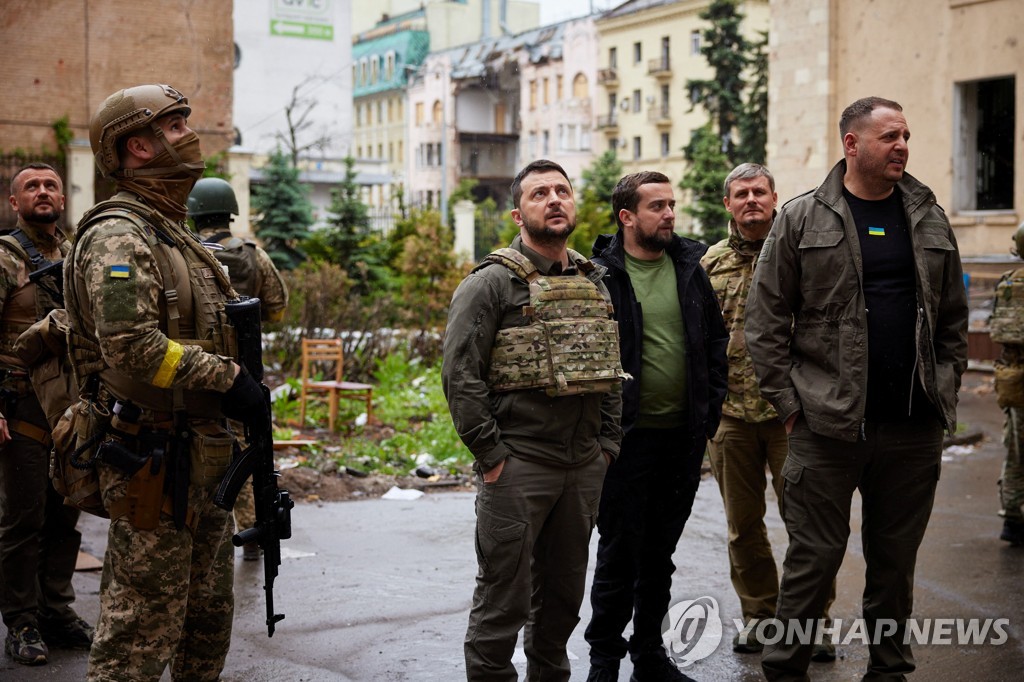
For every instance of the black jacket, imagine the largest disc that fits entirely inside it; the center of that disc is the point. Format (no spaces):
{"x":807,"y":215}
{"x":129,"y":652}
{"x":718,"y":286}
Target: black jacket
{"x":706,"y":336}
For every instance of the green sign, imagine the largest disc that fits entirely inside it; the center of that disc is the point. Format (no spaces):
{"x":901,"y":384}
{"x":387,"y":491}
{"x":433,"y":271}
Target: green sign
{"x":301,"y":29}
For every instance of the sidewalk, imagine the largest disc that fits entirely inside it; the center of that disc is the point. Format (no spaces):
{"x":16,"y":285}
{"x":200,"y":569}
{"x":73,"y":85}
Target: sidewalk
{"x":380,"y":590}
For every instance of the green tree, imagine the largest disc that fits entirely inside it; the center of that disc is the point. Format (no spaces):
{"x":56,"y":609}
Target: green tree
{"x":726,"y":51}
{"x":708,"y":168}
{"x":283,"y":212}
{"x":348,"y":240}
{"x":752,"y":125}
{"x":594,"y":202}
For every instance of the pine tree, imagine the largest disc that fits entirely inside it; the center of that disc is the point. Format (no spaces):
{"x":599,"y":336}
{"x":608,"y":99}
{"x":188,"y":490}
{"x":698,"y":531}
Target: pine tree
{"x":726,"y":51}
{"x":753,"y":123}
{"x":708,"y":168}
{"x":284,"y":212}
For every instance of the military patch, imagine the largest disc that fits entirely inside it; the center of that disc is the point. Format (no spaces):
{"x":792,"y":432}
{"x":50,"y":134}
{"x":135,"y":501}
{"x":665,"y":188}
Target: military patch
{"x":766,"y":250}
{"x":119,"y":271}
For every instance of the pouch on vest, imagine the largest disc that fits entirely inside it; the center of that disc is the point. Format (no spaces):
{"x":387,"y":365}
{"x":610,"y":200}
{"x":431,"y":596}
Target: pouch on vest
{"x":1006,"y":325}
{"x":570,"y":344}
{"x":72,"y":465}
{"x":210,"y":449}
{"x":43,"y":348}
{"x":1009,"y":385}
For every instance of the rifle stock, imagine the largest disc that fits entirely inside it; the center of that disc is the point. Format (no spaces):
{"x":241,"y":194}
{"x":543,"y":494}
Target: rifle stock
{"x":273,"y":504}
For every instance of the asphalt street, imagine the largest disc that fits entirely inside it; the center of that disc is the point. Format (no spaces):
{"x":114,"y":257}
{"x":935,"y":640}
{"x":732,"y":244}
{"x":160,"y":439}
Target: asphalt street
{"x":380,"y":590}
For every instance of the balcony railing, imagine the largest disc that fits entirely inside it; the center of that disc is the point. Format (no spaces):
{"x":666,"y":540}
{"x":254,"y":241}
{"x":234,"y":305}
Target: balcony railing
{"x":660,"y":115}
{"x":660,"y":67}
{"x":606,"y":121}
{"x":608,"y":77}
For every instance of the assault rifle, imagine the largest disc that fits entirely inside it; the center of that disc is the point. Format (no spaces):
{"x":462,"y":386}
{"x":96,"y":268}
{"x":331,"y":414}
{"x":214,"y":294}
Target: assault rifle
{"x":50,"y":278}
{"x":273,"y":505}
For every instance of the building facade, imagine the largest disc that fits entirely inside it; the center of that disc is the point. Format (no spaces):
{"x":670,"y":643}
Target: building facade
{"x":957,"y":73}
{"x":647,"y":51}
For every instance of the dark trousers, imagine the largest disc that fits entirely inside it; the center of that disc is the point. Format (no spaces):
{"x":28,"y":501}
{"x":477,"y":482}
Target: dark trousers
{"x":648,"y":494}
{"x":38,"y":540}
{"x":533,"y":529}
{"x":896,"y":469}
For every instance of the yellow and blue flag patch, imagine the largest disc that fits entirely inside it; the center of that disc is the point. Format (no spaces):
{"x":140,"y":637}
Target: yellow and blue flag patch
{"x":876,"y":231}
{"x":120,"y":271}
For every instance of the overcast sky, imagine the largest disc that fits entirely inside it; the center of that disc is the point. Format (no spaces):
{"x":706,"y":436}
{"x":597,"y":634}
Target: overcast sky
{"x":553,"y":11}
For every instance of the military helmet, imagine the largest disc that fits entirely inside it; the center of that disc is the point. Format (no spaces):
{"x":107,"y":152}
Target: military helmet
{"x":212,"y":196}
{"x":126,"y":111}
{"x":1018,"y":239}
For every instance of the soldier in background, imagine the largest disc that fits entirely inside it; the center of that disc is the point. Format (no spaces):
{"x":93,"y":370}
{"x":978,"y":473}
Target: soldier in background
{"x":143,"y":289}
{"x":750,"y":437}
{"x":211,"y":205}
{"x":1007,"y":327}
{"x":38,"y":540}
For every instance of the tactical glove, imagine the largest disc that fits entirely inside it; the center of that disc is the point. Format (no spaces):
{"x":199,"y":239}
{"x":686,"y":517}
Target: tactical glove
{"x":244,"y":402}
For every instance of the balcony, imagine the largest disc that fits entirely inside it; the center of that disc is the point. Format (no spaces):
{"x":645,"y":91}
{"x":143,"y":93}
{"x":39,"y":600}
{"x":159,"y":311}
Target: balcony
{"x":608,"y":77}
{"x":608,"y":123}
{"x":660,"y":68}
{"x":660,"y":116}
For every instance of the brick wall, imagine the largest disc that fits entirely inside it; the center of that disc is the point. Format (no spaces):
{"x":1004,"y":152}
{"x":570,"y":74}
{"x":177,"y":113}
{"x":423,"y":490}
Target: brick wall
{"x":63,"y":57}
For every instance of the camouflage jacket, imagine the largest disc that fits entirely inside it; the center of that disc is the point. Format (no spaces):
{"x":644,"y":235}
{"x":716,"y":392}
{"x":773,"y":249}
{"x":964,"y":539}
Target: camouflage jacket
{"x":114,"y":291}
{"x":21,"y":302}
{"x":730,"y":267}
{"x":268,"y":285}
{"x":564,"y":431}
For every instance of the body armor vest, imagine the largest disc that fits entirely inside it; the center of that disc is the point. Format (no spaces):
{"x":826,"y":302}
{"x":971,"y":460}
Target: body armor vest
{"x":25,"y":305}
{"x":195,"y":289}
{"x":1007,"y":322}
{"x":239,"y":256}
{"x":570,"y":344}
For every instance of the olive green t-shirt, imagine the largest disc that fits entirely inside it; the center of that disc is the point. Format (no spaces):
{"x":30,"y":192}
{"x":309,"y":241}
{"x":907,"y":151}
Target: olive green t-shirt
{"x":663,"y":362}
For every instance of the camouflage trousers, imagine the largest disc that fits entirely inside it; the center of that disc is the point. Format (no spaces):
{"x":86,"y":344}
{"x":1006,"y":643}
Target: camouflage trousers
{"x":165,"y":595}
{"x":1011,"y":483}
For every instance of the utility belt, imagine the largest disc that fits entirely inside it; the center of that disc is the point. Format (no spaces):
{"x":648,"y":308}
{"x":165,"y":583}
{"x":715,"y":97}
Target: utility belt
{"x":162,"y":462}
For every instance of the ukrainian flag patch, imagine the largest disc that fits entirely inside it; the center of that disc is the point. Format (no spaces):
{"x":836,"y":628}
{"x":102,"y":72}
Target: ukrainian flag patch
{"x":876,"y":231}
{"x":120,"y":271}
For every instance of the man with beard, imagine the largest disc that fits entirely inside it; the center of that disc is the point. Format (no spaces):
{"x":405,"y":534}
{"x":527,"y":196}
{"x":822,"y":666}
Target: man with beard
{"x":857,"y":326}
{"x":673,"y":345}
{"x":38,"y":540}
{"x":531,"y":373}
{"x":145,"y":292}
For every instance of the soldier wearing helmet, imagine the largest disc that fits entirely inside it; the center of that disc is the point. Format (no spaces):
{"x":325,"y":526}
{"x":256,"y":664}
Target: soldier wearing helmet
{"x":210,"y":206}
{"x":144,"y":291}
{"x":1007,"y":327}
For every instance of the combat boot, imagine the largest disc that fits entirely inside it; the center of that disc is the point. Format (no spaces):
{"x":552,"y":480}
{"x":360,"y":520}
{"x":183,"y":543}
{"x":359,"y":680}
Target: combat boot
{"x":75,"y":634}
{"x":1013,"y":532}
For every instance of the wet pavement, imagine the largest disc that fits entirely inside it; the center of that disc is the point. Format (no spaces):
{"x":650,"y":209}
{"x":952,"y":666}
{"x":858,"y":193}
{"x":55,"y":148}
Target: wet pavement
{"x":380,"y":590}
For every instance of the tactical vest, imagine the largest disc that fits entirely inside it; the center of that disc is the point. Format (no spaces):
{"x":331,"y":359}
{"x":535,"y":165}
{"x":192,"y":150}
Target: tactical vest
{"x":570,"y":344}
{"x":191,"y":306}
{"x":239,"y":256}
{"x":26,"y":304}
{"x":1006,"y":325}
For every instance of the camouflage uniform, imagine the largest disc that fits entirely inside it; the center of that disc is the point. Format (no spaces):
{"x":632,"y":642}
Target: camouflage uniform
{"x":166,"y":593}
{"x":749,"y":437}
{"x":38,"y":540}
{"x":273,"y":294}
{"x":1008,"y":327}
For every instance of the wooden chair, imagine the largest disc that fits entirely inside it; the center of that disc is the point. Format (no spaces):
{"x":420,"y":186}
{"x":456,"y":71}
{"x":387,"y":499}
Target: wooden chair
{"x":328,"y":354}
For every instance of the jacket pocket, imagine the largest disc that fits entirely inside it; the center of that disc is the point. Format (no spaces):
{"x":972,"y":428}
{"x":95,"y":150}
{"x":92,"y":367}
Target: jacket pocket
{"x":823,"y":267}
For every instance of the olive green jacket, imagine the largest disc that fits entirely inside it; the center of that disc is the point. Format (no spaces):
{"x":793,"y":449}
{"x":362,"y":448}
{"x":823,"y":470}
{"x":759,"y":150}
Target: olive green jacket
{"x":563,"y":431}
{"x":807,"y":322}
